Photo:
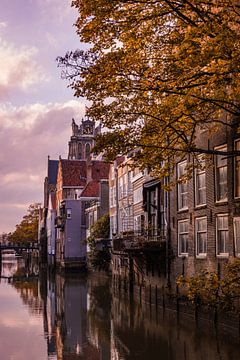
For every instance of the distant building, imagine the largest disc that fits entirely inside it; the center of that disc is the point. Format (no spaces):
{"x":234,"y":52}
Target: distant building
{"x":82,"y":139}
{"x":82,"y":183}
{"x":46,"y":232}
{"x":70,"y":242}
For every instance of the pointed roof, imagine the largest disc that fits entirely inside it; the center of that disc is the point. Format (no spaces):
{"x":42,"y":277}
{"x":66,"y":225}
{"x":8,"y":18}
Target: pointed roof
{"x":92,"y":189}
{"x":52,"y":171}
{"x":74,"y":172}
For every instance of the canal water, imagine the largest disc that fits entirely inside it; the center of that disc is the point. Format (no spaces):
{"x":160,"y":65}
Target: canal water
{"x":72,"y":317}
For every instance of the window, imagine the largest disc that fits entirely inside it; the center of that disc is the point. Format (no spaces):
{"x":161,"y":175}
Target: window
{"x":112,"y":172}
{"x":222,"y":234}
{"x":111,"y":197}
{"x":200,"y":183}
{"x":87,"y":150}
{"x":79,"y":150}
{"x":120,"y":189}
{"x":137,"y":195}
{"x":112,"y":225}
{"x":153,"y":206}
{"x":139,"y":225}
{"x":69,"y":213}
{"x":236,"y":231}
{"x":183,"y":237}
{"x":130,"y":176}
{"x":201,"y":236}
{"x":221,"y":175}
{"x":237,"y":170}
{"x":182,"y":186}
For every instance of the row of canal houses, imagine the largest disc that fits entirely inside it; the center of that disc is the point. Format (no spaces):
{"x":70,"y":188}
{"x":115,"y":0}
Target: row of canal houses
{"x":75,"y":195}
{"x":155,"y":235}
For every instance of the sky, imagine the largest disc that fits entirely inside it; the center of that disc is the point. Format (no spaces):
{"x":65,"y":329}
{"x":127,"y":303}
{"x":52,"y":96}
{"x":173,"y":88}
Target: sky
{"x":36,"y":106}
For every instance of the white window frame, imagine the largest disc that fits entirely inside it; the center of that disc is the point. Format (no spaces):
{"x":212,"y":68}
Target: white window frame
{"x":181,"y":254}
{"x":236,"y":170}
{"x":235,"y":234}
{"x":137,"y":224}
{"x":201,"y":255}
{"x":120,"y":187}
{"x":137,"y":195}
{"x":113,"y":224}
{"x":180,"y":186}
{"x":111,"y":193}
{"x":217,"y":158}
{"x":69,"y":213}
{"x":198,"y":172}
{"x":226,"y":253}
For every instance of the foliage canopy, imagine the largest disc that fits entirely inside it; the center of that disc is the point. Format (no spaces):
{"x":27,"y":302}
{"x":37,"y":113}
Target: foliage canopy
{"x":155,"y":71}
{"x":208,"y":288}
{"x":27,"y":231}
{"x":99,"y":259}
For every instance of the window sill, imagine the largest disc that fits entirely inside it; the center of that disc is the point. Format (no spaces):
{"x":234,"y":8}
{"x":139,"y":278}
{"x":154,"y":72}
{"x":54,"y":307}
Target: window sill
{"x":221,"y":202}
{"x":223,"y":256}
{"x":182,"y":210}
{"x":183,"y":255}
{"x":201,"y":257}
{"x":198,"y":207}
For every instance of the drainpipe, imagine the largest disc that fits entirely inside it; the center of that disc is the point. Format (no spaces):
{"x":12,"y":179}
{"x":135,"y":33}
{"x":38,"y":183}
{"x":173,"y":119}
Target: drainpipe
{"x":168,"y":237}
{"x":117,"y":206}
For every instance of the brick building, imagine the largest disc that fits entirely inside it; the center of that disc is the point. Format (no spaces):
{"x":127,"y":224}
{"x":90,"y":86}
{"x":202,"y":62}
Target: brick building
{"x":205,"y":211}
{"x":194,"y":227}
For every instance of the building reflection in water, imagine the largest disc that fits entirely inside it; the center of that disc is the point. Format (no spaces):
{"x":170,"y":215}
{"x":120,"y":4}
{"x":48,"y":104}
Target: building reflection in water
{"x":84,"y":318}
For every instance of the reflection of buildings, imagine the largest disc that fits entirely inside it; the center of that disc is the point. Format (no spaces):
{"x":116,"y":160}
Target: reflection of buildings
{"x":140,"y":332}
{"x":99,"y":304}
{"x":85,"y":319}
{"x":66,"y":319}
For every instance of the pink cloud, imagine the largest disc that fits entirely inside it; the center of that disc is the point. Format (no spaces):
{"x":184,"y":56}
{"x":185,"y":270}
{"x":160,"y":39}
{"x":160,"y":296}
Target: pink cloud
{"x":19,"y":68}
{"x":28,"y":134}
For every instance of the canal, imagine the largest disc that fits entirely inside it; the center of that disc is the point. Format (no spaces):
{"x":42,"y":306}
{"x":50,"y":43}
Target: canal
{"x":72,"y":317}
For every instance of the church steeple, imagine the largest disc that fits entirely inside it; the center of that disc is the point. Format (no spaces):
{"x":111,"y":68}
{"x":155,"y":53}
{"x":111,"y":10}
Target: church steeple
{"x":82,"y":139}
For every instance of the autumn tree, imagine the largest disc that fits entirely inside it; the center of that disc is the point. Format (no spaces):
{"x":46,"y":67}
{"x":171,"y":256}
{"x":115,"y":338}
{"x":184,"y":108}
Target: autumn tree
{"x":27,"y":230}
{"x":155,"y":71}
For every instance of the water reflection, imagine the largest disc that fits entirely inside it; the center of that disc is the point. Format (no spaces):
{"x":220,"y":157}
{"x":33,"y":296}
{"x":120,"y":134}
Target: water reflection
{"x":82,"y":318}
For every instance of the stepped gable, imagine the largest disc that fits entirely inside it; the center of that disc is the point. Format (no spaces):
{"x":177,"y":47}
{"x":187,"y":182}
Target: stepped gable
{"x":92,"y":189}
{"x":100,"y":170}
{"x":74,"y":172}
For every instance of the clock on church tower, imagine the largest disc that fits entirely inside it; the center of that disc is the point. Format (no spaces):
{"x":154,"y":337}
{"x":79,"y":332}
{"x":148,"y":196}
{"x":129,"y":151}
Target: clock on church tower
{"x":88,"y":130}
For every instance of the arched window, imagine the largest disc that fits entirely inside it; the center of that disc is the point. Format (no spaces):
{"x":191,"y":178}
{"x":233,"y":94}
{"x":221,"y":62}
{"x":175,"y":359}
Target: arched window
{"x":79,"y":151}
{"x":87,"y":150}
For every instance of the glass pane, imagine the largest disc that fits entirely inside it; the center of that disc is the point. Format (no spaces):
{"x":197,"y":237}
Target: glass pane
{"x":202,"y":224}
{"x":222,"y":183}
{"x":222,"y":159}
{"x":202,"y":243}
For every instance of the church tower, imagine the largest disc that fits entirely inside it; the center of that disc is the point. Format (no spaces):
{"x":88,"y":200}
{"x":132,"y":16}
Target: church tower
{"x":82,"y":139}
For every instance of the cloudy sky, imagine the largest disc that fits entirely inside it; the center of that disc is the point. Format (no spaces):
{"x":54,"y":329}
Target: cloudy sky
{"x":36,"y":107}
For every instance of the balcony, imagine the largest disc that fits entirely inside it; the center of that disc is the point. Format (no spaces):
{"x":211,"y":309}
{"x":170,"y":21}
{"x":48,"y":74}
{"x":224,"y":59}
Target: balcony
{"x":155,"y":241}
{"x":60,"y":223}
